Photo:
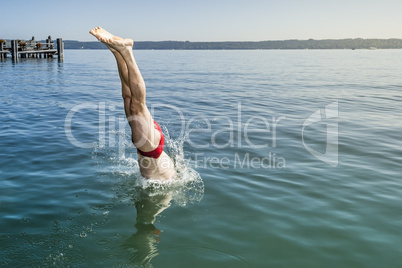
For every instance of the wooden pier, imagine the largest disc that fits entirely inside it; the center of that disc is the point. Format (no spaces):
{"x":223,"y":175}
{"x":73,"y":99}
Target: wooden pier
{"x":31,"y":49}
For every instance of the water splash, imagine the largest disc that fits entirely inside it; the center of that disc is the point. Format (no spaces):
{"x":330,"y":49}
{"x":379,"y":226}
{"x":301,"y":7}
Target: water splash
{"x":187,"y":187}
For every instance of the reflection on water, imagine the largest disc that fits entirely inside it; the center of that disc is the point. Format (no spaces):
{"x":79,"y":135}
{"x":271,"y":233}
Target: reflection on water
{"x":143,"y":244}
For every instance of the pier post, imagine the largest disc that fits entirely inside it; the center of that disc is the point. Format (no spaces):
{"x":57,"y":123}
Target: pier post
{"x":49,"y":42}
{"x":14,"y":49}
{"x":1,"y":50}
{"x":60,"y":48}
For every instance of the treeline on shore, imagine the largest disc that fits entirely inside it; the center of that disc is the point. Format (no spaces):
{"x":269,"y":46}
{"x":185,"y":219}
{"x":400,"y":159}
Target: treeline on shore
{"x":357,"y":43}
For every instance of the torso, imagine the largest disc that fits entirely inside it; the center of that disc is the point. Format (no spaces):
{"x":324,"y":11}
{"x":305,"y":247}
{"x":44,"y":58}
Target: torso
{"x":156,"y":168}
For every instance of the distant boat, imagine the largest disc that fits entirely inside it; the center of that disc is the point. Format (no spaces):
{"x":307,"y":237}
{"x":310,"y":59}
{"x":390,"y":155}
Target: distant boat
{"x":372,"y":48}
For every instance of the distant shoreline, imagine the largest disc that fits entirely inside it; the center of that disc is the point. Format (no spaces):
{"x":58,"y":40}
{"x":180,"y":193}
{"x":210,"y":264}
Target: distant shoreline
{"x":357,"y":43}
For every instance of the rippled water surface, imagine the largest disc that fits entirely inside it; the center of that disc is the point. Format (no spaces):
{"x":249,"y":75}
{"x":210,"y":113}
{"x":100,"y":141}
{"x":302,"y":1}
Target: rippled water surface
{"x":286,"y":159}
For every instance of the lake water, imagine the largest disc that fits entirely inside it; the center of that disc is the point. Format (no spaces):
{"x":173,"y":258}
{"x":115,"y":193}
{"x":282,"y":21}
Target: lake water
{"x":286,"y":159}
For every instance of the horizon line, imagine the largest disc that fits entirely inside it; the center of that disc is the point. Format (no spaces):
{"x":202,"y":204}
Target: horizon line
{"x":274,"y":40}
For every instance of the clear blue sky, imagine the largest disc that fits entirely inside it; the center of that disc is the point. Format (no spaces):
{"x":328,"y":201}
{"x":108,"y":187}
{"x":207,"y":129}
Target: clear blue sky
{"x":202,"y":20}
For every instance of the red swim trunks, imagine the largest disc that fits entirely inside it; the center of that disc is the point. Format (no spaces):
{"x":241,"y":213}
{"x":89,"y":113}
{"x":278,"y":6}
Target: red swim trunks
{"x":158,"y":150}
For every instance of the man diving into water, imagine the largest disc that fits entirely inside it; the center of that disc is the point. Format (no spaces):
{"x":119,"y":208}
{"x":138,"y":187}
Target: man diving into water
{"x":146,"y":134}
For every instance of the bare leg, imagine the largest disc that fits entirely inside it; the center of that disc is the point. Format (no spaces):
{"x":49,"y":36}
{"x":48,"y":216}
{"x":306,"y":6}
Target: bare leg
{"x":123,"y":73}
{"x":145,"y":136}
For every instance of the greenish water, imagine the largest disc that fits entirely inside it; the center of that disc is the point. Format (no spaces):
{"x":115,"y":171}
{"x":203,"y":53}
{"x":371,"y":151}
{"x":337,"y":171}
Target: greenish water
{"x":287,"y":159}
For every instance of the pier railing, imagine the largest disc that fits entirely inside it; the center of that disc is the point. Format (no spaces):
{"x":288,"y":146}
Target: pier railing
{"x":24,"y":46}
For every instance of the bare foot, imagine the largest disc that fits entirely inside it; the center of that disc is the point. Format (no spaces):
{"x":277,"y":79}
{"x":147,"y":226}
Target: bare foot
{"x":110,"y":40}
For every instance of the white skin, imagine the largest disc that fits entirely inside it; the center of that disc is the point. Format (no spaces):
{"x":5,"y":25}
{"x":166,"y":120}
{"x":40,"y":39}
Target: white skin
{"x":145,"y":136}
